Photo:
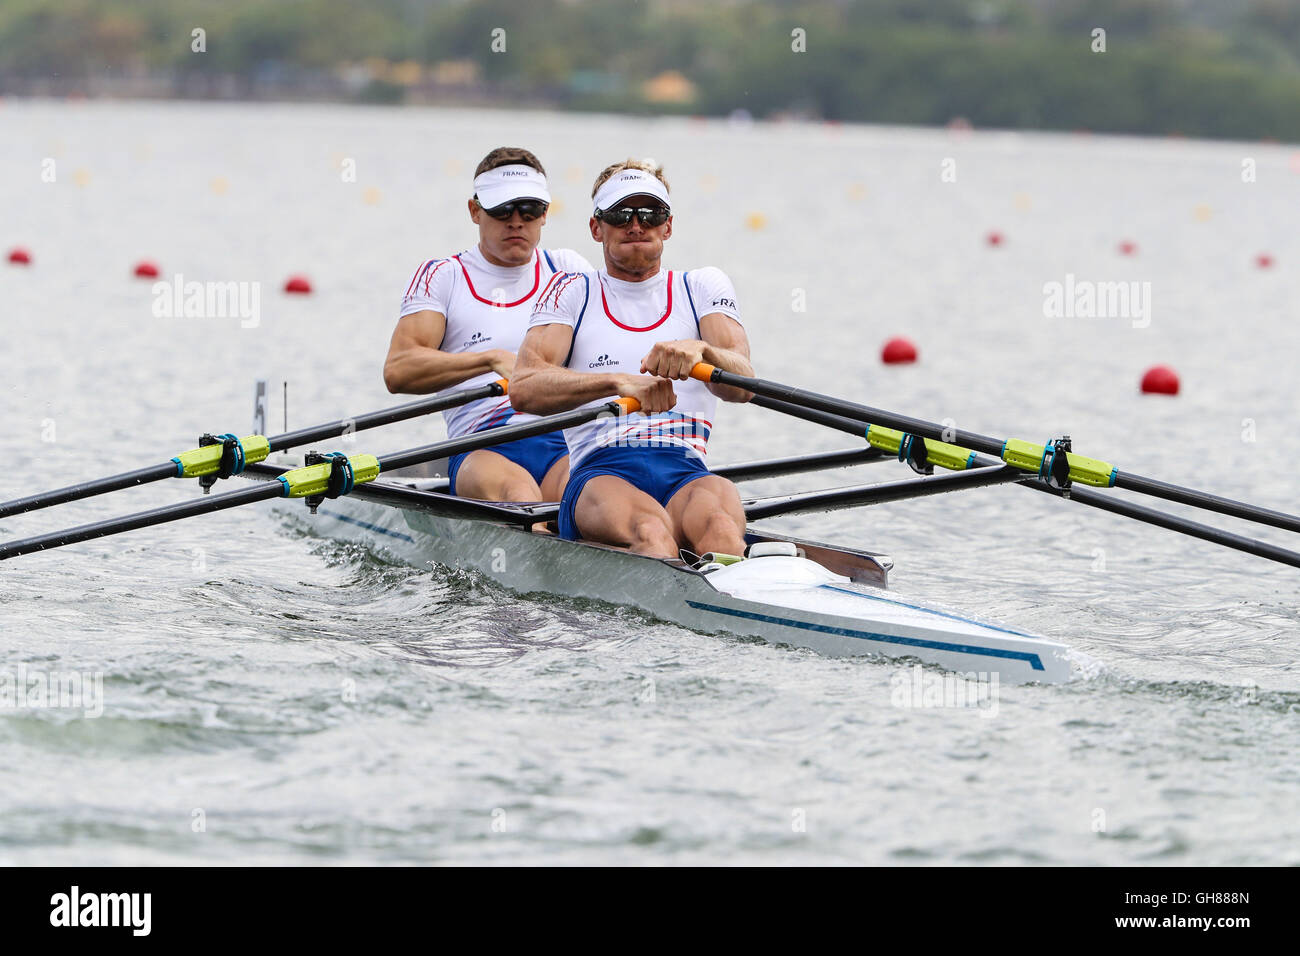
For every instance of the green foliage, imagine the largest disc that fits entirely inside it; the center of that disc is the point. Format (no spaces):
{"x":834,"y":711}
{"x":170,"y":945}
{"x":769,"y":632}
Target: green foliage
{"x":1199,"y":67}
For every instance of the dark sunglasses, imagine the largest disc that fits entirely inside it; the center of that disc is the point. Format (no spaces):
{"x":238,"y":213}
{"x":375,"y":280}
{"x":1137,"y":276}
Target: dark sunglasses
{"x":529,"y":209}
{"x":649,"y":216}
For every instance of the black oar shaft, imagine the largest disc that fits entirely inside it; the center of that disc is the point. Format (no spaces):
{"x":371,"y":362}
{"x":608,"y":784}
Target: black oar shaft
{"x":142,"y":476}
{"x":144,"y":519}
{"x":88,"y":489}
{"x":1160,"y":519}
{"x":796,"y":397}
{"x":387,"y":416}
{"x":507,"y":433}
{"x":882,"y":493}
{"x":863,"y":413}
{"x":850,"y":426}
{"x":275,"y":489}
{"x":779,"y":467}
{"x":1203,"y":499}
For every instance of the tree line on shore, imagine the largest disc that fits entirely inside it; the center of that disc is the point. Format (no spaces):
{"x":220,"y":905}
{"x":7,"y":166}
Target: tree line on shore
{"x":1214,"y":68}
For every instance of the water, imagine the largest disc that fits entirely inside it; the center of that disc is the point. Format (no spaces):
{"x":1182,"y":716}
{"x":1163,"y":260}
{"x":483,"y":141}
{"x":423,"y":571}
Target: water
{"x":272,"y":697}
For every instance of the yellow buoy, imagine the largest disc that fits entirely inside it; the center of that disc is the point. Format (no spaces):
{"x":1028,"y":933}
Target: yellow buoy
{"x":81,"y":176}
{"x":857,"y":191}
{"x":1022,"y":202}
{"x":1202,"y":212}
{"x":219,"y":185}
{"x":756,"y":221}
{"x":371,"y":196}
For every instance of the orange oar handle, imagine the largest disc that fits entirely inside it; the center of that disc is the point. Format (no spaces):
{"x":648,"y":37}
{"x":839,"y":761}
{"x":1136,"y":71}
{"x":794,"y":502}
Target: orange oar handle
{"x":702,"y":371}
{"x":505,"y":385}
{"x":628,"y":404}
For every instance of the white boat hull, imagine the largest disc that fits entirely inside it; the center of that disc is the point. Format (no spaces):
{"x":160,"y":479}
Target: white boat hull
{"x":783,"y":600}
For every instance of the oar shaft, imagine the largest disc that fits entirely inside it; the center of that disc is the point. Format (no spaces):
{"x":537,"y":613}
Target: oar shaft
{"x":88,"y":489}
{"x":1203,"y":499}
{"x":1160,"y":519}
{"x":850,"y":426}
{"x":779,"y":467}
{"x":387,"y":416}
{"x":498,"y":436}
{"x":864,"y":413}
{"x":788,"y":399}
{"x":316,"y":479}
{"x":882,"y":493}
{"x":303,"y":436}
{"x":144,"y":519}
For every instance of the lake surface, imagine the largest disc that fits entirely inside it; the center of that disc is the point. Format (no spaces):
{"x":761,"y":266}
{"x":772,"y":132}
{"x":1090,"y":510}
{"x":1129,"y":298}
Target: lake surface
{"x":269,"y":696}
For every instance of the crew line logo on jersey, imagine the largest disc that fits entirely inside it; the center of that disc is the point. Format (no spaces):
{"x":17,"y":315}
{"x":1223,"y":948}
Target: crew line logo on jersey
{"x":475,"y":340}
{"x":602,"y":361}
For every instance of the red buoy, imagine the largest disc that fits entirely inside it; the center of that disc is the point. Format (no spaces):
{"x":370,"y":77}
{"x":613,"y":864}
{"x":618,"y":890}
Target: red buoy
{"x":1160,"y":380}
{"x":994,"y":238}
{"x":897,"y":351}
{"x":144,"y":269}
{"x":1127,"y":248}
{"x":1264,"y":260}
{"x":20,"y":256}
{"x":299,"y":285}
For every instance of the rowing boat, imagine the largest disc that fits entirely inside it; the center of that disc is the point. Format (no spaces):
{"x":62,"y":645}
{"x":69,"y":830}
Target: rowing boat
{"x":787,"y":591}
{"x":829,"y":599}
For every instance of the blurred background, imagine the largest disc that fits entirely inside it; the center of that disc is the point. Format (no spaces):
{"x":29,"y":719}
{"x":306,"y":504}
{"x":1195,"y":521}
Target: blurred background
{"x":1204,"y":68}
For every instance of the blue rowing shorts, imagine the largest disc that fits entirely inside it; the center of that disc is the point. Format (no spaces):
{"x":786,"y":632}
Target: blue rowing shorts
{"x":660,"y":472}
{"x":534,"y":455}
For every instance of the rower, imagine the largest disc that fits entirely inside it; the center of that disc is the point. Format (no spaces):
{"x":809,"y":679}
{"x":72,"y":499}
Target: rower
{"x":462,"y":320}
{"x":633,"y":329}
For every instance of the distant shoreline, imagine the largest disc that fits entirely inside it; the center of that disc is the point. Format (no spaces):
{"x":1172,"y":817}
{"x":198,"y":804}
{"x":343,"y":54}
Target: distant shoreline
{"x":772,"y":122}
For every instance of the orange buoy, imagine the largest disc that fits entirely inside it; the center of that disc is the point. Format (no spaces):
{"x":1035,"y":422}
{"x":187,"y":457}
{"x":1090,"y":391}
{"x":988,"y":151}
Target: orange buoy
{"x":994,"y":238}
{"x":897,"y":351}
{"x":1160,"y":380}
{"x":144,"y":269}
{"x":298,"y":285}
{"x":20,"y":256}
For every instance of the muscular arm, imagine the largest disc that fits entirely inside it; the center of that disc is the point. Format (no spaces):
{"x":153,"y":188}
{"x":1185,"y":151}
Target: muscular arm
{"x":727,"y":347}
{"x":416,"y":363}
{"x":543,"y":386}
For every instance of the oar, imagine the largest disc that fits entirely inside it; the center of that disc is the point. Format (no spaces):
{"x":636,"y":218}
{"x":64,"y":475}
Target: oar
{"x":988,"y":472}
{"x":859,"y":496}
{"x":324,"y":479}
{"x":235,"y":453}
{"x":1044,"y":461}
{"x":780,"y":467}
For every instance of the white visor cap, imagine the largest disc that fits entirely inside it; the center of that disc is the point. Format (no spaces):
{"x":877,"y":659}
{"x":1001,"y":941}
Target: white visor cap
{"x":505,"y":184}
{"x":629,"y":182}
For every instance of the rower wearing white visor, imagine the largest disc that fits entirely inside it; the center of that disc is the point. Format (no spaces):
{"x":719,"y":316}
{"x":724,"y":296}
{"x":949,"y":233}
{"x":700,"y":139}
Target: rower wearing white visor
{"x":463,"y":318}
{"x":633,"y":329}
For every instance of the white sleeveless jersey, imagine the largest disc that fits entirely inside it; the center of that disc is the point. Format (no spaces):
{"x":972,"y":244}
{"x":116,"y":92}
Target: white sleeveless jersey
{"x":615,"y":323}
{"x":486,"y":307}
